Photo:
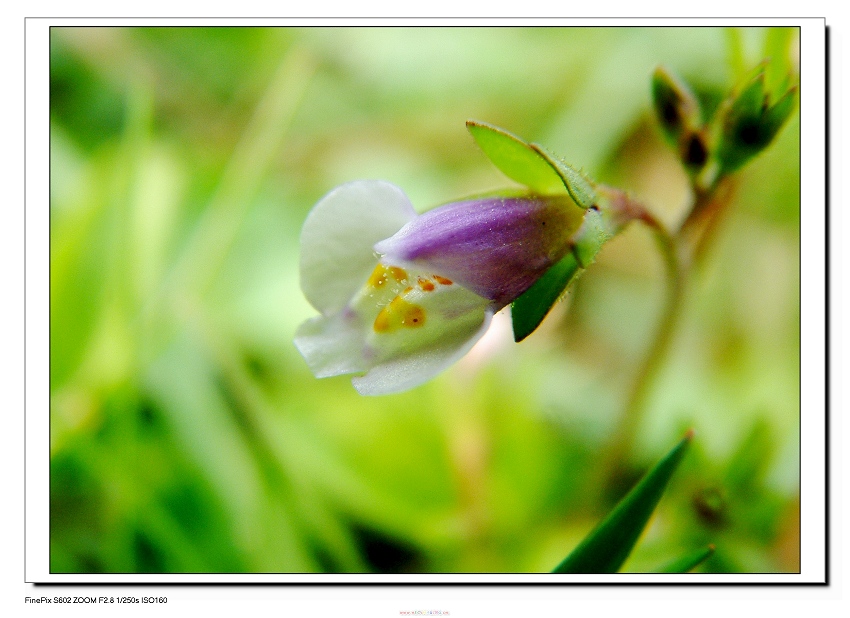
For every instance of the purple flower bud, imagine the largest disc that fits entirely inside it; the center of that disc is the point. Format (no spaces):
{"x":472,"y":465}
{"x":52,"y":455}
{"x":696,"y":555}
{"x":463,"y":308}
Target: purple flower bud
{"x":496,"y":246}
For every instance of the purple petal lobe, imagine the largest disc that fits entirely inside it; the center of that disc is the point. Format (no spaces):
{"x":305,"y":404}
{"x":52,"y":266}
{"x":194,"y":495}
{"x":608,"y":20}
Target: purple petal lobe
{"x":496,"y":247}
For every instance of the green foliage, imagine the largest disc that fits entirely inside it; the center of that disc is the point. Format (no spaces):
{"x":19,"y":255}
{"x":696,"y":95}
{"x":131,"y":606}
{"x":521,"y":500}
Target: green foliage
{"x":745,"y":124}
{"x":515,"y":158}
{"x":528,"y":311}
{"x":188,"y":436}
{"x":577,"y":184}
{"x":750,"y":121}
{"x":606,"y":548}
{"x":598,"y":227}
{"x":689,"y":562}
{"x":531,"y":164}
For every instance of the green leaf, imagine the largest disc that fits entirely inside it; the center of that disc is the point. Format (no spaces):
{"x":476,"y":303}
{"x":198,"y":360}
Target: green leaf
{"x":528,"y":311}
{"x":578,"y":186}
{"x":689,"y":562}
{"x":515,"y":158}
{"x":606,"y":548}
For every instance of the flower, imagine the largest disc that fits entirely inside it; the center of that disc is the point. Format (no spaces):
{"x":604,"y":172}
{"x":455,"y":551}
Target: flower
{"x":403,"y":296}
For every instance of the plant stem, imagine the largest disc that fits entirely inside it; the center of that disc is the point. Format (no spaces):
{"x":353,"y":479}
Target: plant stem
{"x":677,"y":269}
{"x":681,"y":250}
{"x":718,"y":206}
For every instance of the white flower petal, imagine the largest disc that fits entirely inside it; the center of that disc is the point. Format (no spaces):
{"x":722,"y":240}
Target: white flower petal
{"x":331,"y":346}
{"x":338,"y":237}
{"x":405,"y":372}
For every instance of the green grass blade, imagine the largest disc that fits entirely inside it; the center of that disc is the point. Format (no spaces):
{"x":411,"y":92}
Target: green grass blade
{"x":689,"y":562}
{"x":606,"y":548}
{"x":515,"y":158}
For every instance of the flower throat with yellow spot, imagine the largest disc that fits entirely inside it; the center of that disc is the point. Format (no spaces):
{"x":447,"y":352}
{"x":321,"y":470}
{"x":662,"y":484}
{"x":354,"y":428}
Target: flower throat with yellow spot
{"x":400,"y":312}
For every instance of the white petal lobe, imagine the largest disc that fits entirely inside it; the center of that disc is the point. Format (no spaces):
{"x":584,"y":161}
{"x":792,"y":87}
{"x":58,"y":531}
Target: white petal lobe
{"x":338,"y":237}
{"x":406,"y":372}
{"x":331,"y":346}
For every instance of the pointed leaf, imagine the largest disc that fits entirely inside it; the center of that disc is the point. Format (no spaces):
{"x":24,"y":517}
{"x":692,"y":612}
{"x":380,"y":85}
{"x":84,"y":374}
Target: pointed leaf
{"x":528,"y":311}
{"x":515,"y":158}
{"x":606,"y":548}
{"x":578,"y":186}
{"x":688,"y":563}
{"x":779,"y":112}
{"x":752,"y":97}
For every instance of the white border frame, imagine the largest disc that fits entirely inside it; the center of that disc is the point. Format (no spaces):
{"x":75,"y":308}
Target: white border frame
{"x":813,"y":318}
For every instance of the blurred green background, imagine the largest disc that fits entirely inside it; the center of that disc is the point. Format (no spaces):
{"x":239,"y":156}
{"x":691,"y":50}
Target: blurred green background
{"x":188,"y":435}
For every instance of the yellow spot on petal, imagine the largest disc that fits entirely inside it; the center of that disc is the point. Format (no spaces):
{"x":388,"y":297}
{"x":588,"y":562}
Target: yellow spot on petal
{"x":399,"y":314}
{"x":378,"y":277}
{"x":382,"y":322}
{"x":442,"y":280}
{"x":382,"y":274}
{"x":414,"y":317}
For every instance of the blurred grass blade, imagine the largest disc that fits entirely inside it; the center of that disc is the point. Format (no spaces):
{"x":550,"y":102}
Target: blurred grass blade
{"x":606,"y":548}
{"x":688,"y":563}
{"x":515,"y":158}
{"x":261,"y":141}
{"x":735,"y":52}
{"x":528,"y":311}
{"x":777,"y":49}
